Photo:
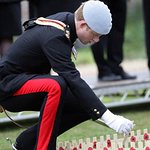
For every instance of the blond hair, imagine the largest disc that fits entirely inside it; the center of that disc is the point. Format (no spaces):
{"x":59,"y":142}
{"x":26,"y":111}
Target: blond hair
{"x":79,"y":13}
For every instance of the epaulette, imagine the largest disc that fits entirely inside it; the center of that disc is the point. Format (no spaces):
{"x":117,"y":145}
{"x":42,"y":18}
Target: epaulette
{"x":29,"y":24}
{"x":48,"y":22}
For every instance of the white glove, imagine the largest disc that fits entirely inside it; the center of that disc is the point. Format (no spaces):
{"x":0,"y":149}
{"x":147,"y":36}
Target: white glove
{"x":117,"y":123}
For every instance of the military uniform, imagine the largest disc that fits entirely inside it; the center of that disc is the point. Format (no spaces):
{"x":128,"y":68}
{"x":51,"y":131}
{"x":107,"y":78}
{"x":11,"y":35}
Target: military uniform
{"x":146,"y":10}
{"x":25,"y":83}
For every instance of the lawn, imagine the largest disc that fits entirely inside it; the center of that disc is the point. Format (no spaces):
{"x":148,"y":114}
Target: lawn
{"x":140,"y":114}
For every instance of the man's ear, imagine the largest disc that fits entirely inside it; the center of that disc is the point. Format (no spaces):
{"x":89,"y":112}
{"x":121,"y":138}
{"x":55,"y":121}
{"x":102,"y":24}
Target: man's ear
{"x":83,"y":23}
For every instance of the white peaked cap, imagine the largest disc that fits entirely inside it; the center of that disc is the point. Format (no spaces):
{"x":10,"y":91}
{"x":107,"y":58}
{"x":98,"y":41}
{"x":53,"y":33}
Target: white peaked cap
{"x":98,"y":17}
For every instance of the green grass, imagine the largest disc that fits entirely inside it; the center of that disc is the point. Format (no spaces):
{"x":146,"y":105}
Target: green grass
{"x":91,"y":129}
{"x":85,"y":56}
{"x":134,"y":35}
{"x":86,"y":129}
{"x":8,"y":132}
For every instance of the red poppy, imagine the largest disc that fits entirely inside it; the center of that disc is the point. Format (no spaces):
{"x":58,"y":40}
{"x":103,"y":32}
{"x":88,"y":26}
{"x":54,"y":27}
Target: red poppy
{"x":61,"y":148}
{"x":94,"y":144}
{"x":90,"y":148}
{"x":132,"y":148}
{"x":80,"y":146}
{"x":146,"y":136}
{"x":74,"y":148}
{"x":108,"y":143}
{"x":133,"y":139}
{"x":147,"y":148}
{"x":105,"y":148}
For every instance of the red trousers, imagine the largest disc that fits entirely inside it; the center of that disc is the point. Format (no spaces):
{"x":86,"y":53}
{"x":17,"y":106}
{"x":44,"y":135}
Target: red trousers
{"x":59,"y":111}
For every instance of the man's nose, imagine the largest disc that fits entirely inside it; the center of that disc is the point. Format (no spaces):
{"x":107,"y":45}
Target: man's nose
{"x":96,"y":39}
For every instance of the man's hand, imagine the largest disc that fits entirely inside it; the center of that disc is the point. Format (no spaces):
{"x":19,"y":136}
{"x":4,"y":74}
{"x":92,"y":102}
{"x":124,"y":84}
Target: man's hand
{"x":117,"y":123}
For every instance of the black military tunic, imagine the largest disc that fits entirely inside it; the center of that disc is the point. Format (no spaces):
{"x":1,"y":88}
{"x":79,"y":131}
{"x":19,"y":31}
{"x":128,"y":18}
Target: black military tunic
{"x":37,"y":51}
